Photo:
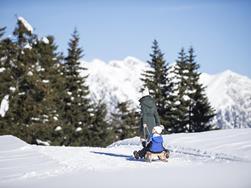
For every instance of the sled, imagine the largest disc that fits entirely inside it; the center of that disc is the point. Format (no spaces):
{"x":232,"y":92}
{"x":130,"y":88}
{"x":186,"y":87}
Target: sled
{"x":163,"y":156}
{"x":149,"y":156}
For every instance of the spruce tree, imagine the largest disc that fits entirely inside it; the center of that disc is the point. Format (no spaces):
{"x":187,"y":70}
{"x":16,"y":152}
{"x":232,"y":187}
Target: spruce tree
{"x":180,"y":103}
{"x":7,"y":54}
{"x":48,"y":67}
{"x":26,"y":98}
{"x":77,"y":105}
{"x":157,"y":81}
{"x":191,"y":109}
{"x":125,"y":121}
{"x":200,"y":111}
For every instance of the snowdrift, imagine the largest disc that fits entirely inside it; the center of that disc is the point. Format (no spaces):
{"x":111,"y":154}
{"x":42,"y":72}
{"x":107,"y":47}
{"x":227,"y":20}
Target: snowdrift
{"x":209,"y":159}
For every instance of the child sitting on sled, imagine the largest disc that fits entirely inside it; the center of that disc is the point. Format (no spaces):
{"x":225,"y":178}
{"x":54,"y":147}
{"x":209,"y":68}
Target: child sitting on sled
{"x":154,"y":148}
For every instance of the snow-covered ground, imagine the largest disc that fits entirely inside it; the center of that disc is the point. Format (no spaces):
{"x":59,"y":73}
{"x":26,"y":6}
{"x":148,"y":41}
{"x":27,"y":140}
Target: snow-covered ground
{"x":210,"y":159}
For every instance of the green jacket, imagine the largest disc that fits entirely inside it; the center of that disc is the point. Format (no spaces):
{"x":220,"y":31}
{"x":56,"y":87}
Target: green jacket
{"x":149,"y":116}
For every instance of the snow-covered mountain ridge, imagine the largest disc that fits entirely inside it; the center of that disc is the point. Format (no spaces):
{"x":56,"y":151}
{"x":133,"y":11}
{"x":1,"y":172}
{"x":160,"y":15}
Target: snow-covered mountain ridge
{"x":119,"y":80}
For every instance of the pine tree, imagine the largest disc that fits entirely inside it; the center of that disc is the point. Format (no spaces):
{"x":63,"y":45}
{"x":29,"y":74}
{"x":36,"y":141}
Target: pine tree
{"x":4,"y":64}
{"x":7,"y":54}
{"x":200,"y":111}
{"x":159,"y":85}
{"x":77,"y":106}
{"x":26,"y":96}
{"x":191,"y":109}
{"x":180,"y":103}
{"x":49,"y":70}
{"x":125,"y":121}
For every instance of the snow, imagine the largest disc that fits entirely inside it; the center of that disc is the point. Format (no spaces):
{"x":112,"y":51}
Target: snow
{"x":27,"y":46}
{"x":230,"y":94}
{"x":216,"y":159}
{"x":38,"y":67}
{"x":12,"y":89}
{"x":44,"y":143}
{"x":30,"y":73}
{"x":2,"y":69}
{"x":45,"y":81}
{"x":69,"y":93}
{"x":21,"y":93}
{"x":78,"y":129}
{"x":26,"y":24}
{"x":35,"y":119}
{"x":45,"y":40}
{"x":4,"y":105}
{"x":115,"y":81}
{"x":58,"y":128}
{"x":186,"y":97}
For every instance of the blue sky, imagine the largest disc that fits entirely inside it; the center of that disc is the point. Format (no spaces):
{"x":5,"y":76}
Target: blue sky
{"x":220,"y":31}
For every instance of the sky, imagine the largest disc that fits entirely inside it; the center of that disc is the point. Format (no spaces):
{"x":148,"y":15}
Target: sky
{"x":219,"y":30}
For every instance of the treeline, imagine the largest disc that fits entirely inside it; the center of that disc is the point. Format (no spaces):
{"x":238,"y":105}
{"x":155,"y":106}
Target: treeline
{"x":50,"y":103}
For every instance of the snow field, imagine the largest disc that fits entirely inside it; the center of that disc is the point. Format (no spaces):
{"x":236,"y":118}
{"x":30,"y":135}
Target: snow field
{"x":209,"y":159}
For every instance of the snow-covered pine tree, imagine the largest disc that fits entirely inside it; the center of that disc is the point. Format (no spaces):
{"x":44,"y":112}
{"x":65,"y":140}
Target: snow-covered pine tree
{"x":125,"y":121}
{"x":7,"y":50}
{"x":200,"y":111}
{"x":159,"y":84}
{"x":77,"y":104}
{"x":51,"y":81}
{"x":4,"y":64}
{"x":25,"y":101}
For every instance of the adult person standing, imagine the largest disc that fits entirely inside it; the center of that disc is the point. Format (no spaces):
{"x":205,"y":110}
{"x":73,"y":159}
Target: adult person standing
{"x":149,"y":120}
{"x":149,"y":116}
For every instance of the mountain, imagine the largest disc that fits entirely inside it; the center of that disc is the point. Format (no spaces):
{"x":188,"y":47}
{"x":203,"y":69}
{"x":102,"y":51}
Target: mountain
{"x":119,"y":80}
{"x":115,"y":81}
{"x":230,"y":94}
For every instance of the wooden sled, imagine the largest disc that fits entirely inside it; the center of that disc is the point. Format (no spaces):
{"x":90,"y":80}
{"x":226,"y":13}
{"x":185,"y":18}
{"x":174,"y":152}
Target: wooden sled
{"x":163,"y":156}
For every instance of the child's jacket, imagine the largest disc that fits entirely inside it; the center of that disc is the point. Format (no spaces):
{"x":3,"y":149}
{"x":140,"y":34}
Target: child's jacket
{"x":156,"y":145}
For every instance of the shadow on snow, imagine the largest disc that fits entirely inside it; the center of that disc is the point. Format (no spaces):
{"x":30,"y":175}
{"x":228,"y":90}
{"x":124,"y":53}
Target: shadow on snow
{"x":128,"y":157}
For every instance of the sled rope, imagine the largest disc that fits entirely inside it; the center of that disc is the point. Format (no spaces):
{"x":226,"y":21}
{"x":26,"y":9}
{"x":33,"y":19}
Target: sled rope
{"x":144,"y":132}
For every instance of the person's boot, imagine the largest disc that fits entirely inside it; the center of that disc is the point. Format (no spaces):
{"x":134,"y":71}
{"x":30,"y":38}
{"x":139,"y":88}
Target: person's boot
{"x":167,"y":153}
{"x":136,"y":155}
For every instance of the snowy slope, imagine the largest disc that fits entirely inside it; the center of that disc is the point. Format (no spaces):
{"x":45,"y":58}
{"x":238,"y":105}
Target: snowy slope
{"x":119,"y":80}
{"x":212,"y":159}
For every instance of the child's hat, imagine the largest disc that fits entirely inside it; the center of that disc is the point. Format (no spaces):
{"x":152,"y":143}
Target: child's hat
{"x":158,"y":129}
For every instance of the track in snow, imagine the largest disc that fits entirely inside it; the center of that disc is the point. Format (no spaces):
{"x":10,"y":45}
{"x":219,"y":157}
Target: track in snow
{"x":196,"y":154}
